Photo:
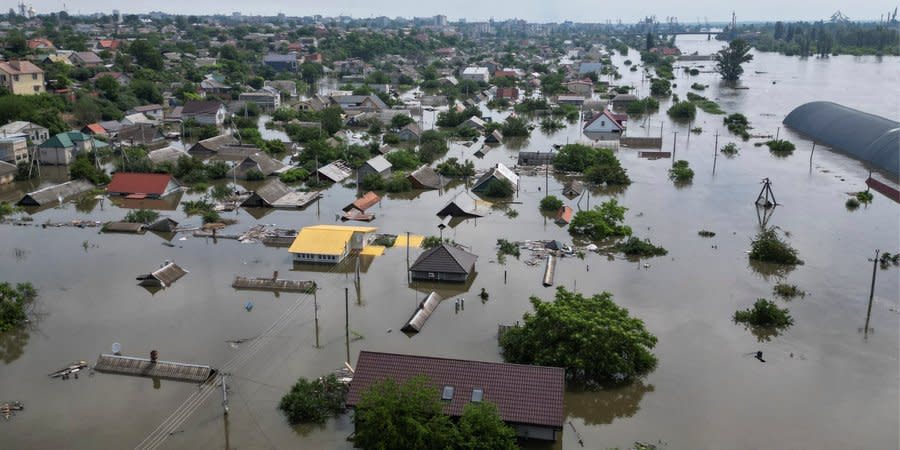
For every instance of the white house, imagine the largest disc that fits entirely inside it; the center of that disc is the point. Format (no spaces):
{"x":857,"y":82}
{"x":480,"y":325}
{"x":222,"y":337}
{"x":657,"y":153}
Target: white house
{"x":476,"y":74}
{"x":204,"y":112}
{"x":605,"y":122}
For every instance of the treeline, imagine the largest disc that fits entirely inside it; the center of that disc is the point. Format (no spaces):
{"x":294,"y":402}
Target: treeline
{"x":824,"y":38}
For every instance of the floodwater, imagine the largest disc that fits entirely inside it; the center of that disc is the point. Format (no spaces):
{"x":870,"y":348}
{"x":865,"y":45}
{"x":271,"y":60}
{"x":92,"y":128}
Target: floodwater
{"x":824,"y":384}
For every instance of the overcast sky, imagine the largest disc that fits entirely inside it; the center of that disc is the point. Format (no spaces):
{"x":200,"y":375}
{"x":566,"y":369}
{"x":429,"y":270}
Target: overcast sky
{"x":689,"y":11}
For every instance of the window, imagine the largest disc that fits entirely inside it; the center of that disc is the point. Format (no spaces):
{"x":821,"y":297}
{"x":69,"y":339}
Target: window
{"x":477,"y":395}
{"x":34,"y":76}
{"x":15,"y":77}
{"x":602,"y":123}
{"x":447,"y":394}
{"x":431,"y":275}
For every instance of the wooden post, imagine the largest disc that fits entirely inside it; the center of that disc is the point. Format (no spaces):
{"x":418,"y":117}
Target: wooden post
{"x":777,"y":133}
{"x":224,"y":394}
{"x":811,"y":155}
{"x":871,"y":292}
{"x":673,"y":148}
{"x":347,"y":321}
{"x":715,"y":152}
{"x":504,"y":276}
{"x":316,"y":312}
{"x":546,"y":180}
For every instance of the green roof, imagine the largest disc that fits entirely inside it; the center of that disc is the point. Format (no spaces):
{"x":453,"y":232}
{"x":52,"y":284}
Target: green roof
{"x":68,"y":139}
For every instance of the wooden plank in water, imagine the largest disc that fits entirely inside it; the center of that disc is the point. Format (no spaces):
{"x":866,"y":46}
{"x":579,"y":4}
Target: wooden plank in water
{"x":129,"y":365}
{"x":272,"y":284}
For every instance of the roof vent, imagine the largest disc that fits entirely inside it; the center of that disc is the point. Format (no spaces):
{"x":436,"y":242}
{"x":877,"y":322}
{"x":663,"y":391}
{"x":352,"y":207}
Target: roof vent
{"x":477,"y":395}
{"x":448,"y":393}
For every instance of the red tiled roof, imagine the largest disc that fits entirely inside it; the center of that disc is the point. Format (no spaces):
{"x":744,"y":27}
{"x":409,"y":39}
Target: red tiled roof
{"x":523,"y":394}
{"x":139,"y":183}
{"x":95,"y":128}
{"x":111,"y":44}
{"x":367,"y":201}
{"x":19,"y":67}
{"x":508,"y":92}
{"x":564,"y":214}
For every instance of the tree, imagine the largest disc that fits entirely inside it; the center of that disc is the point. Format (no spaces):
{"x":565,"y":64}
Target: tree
{"x":332,"y":122}
{"x":400,"y":120}
{"x":402,"y":160}
{"x":109,"y":86}
{"x":551,"y":203}
{"x":481,"y":428}
{"x":402,"y":416}
{"x":313,"y":401}
{"x":83,"y":168}
{"x":729,"y":59}
{"x":146,"y":54}
{"x":146,"y":91}
{"x":13,"y":304}
{"x":594,"y":339}
{"x":601,"y":222}
{"x":141,"y":216}
{"x":650,"y":42}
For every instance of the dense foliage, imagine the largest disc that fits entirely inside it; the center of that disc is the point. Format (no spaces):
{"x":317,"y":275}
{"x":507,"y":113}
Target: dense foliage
{"x":410,"y":416}
{"x":313,"y":401}
{"x":681,"y":173}
{"x":600,"y":222}
{"x":453,"y":168}
{"x":599,"y":165}
{"x":14,"y":301}
{"x":768,"y":246}
{"x":634,"y":246}
{"x":765,"y":314}
{"x":826,"y":38}
{"x":682,"y":110}
{"x":141,"y":216}
{"x":594,"y":339}
{"x":551,"y":203}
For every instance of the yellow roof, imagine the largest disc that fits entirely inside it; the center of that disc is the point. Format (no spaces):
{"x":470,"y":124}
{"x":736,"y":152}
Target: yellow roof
{"x":414,"y":240}
{"x":373,"y":250}
{"x":325,"y":239}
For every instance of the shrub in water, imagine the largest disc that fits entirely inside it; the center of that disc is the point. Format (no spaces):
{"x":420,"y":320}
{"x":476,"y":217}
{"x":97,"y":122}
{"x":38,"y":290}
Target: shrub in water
{"x":765,"y":314}
{"x":767,"y":246}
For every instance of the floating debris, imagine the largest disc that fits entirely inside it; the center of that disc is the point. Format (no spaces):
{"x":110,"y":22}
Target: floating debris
{"x":71,"y":369}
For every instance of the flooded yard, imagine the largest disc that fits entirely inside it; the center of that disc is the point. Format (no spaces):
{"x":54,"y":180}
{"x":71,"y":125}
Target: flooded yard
{"x":823,"y":385}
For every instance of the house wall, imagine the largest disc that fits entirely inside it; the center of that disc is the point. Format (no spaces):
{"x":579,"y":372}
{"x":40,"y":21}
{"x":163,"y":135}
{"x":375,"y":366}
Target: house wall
{"x":535,"y":432}
{"x":319,"y":259}
{"x":56,"y":156}
{"x":23,"y":84}
{"x":603,"y":125}
{"x":14,"y":151}
{"x":366,"y":169}
{"x":439,"y":276}
{"x":6,"y":179}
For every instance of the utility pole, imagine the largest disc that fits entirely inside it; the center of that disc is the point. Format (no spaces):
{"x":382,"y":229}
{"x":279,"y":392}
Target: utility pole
{"x":811,"y":155}
{"x":871,"y":292}
{"x":224,"y":393}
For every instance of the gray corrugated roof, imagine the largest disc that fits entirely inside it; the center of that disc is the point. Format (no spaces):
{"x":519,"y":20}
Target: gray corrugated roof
{"x":445,"y":259}
{"x":422,"y":313}
{"x":379,"y":164}
{"x":867,"y":137}
{"x":7,"y":168}
{"x":462,"y":205}
{"x":52,"y":194}
{"x":337,"y":171}
{"x":426,"y":177}
{"x":272,"y":191}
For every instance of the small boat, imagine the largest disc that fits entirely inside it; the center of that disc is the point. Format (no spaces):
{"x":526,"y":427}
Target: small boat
{"x":72,"y":368}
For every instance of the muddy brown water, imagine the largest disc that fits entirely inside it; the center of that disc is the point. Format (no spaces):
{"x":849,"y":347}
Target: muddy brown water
{"x":823,"y":384}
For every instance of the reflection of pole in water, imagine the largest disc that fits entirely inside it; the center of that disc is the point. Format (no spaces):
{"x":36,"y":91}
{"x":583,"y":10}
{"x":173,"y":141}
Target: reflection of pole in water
{"x":715,"y":152}
{"x":316,"y":312}
{"x":347,"y":321}
{"x":227,"y":437}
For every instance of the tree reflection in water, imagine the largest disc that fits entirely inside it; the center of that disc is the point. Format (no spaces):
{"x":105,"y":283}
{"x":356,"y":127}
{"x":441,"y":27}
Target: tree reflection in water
{"x":12,"y":344}
{"x":603,"y":406}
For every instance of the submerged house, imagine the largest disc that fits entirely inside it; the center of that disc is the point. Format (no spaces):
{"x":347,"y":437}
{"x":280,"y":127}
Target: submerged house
{"x":57,"y":194}
{"x":329,"y":244}
{"x":605,"y":122}
{"x":464,"y":205}
{"x":411,"y":132}
{"x":275,"y":194}
{"x":377,"y":165}
{"x":142,"y":185}
{"x":444,"y":263}
{"x":163,"y":277}
{"x":500,"y":173}
{"x":7,"y":172}
{"x":528,"y":398}
{"x":335,"y":172}
{"x":426,"y":178}
{"x":61,"y":149}
{"x":259,"y":162}
{"x":573,"y":188}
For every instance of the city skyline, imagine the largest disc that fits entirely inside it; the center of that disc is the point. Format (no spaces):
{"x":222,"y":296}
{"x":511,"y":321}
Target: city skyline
{"x":575,"y":10}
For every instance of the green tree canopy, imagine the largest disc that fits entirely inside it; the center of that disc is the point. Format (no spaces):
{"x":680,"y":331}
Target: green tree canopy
{"x":601,"y":222}
{"x":729,"y":59}
{"x":594,"y":339}
{"x":409,"y":416}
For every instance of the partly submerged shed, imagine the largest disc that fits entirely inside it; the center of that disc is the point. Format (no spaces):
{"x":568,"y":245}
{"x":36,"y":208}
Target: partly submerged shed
{"x":56,"y":194}
{"x":444,"y":263}
{"x":500,"y":173}
{"x":335,"y":172}
{"x":267,"y":194}
{"x":464,"y":205}
{"x":422,"y":313}
{"x":872,"y":139}
{"x":167,"y":274}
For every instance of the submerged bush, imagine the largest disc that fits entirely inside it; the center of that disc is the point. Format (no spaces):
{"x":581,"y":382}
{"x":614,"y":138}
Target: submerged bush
{"x":639,"y":247}
{"x":852,"y":203}
{"x":764,"y":314}
{"x":141,"y":216}
{"x":730,"y":149}
{"x":788,"y":291}
{"x":682,"y":110}
{"x":681,"y":172}
{"x":505,"y":247}
{"x":865,"y":197}
{"x":314,"y":401}
{"x":767,"y":246}
{"x":706,"y":233}
{"x":780,"y":147}
{"x":551,"y":203}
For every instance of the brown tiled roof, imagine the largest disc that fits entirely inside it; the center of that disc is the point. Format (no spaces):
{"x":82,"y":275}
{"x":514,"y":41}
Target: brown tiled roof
{"x":201,"y":107}
{"x":523,"y":394}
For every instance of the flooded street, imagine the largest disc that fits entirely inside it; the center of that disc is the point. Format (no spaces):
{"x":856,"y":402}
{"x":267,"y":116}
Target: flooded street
{"x":823,"y":384}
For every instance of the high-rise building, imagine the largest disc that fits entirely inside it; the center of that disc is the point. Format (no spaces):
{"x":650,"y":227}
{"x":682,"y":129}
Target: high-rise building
{"x":440,"y":20}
